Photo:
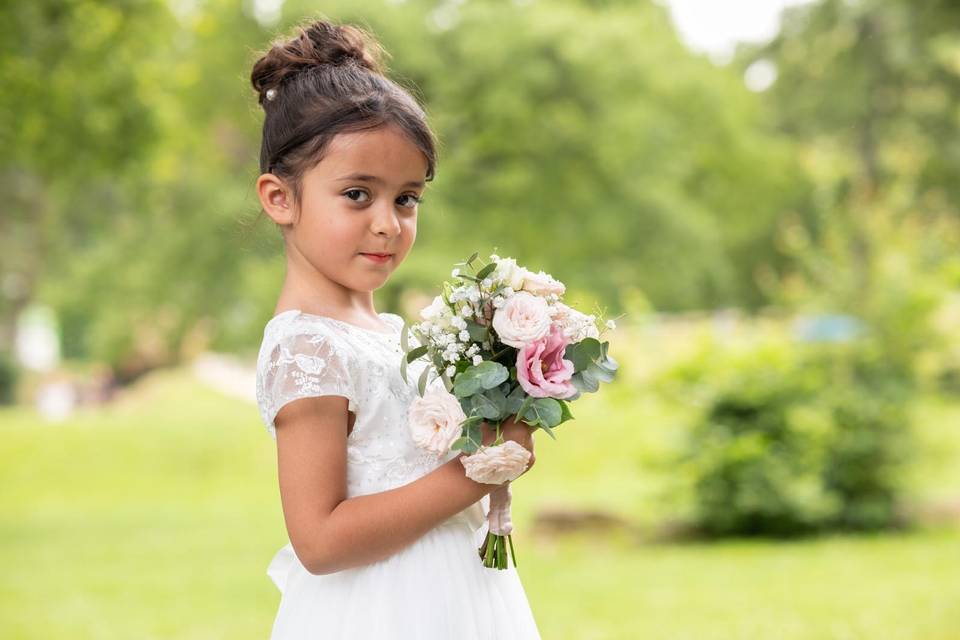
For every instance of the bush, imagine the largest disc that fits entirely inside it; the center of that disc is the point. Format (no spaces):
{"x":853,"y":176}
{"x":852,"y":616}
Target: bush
{"x":790,"y":439}
{"x":8,"y":379}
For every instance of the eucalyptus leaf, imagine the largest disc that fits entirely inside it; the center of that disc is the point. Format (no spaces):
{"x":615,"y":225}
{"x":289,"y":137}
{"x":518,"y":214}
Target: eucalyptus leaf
{"x":515,"y":400}
{"x":422,"y":382}
{"x":478,"y":332}
{"x":547,"y":411}
{"x":446,"y":381}
{"x":583,"y":381}
{"x":525,"y":408}
{"x":600,"y":373}
{"x":487,"y":270}
{"x":583,"y":353}
{"x":416,"y":353}
{"x":486,"y":407}
{"x":475,"y":255}
{"x":470,"y":421}
{"x":486,"y":375}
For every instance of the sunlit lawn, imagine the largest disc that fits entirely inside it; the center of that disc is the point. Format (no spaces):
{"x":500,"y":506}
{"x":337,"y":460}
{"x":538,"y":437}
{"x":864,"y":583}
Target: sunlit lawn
{"x":157,"y":517}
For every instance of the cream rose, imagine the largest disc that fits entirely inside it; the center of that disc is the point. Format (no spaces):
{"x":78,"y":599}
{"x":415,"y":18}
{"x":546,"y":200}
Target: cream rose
{"x":435,"y":420}
{"x":524,"y":318}
{"x":496,"y":465}
{"x":542,"y":284}
{"x":509,"y":273}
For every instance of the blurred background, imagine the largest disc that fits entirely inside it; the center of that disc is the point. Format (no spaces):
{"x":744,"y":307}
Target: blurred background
{"x":763,"y":193}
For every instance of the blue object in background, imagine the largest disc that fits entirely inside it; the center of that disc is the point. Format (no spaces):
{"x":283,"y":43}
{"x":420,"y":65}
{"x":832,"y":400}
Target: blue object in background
{"x":827,"y":328}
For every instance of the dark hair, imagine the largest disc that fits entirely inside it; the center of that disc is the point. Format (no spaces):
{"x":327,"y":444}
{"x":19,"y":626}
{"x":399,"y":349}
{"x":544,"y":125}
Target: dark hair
{"x":326,"y":80}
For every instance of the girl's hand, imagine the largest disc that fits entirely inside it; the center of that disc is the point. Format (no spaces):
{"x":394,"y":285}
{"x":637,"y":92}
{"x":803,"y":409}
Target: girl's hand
{"x":510,"y":429}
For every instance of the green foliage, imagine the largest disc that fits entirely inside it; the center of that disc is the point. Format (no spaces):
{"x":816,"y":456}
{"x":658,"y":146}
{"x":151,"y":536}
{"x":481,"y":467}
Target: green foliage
{"x":791,"y":439}
{"x":475,"y":378}
{"x":160,"y":484}
{"x":8,"y":378}
{"x":130,"y":136}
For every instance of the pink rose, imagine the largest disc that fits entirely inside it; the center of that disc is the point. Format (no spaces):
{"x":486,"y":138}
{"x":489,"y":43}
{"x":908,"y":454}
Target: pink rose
{"x":541,"y":369}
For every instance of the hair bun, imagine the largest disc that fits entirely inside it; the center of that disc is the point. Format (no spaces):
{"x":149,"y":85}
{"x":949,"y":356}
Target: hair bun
{"x":318,"y":43}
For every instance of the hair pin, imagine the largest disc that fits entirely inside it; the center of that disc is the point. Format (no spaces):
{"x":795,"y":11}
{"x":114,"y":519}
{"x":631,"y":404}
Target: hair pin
{"x":271,"y":94}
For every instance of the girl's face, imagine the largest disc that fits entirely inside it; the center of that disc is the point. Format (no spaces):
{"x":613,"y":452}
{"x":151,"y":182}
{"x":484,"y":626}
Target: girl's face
{"x":361,"y":198}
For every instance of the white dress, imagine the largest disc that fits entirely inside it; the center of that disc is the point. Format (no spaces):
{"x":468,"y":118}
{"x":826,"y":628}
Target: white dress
{"x":435,"y":588}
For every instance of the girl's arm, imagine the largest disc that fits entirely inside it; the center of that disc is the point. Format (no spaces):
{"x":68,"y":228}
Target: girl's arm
{"x":329,"y":532}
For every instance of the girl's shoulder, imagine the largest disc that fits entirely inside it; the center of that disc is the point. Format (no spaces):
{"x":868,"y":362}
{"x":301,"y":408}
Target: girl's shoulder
{"x":293,"y":326}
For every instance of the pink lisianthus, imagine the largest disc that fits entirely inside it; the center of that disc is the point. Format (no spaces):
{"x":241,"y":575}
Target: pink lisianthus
{"x":541,"y":369}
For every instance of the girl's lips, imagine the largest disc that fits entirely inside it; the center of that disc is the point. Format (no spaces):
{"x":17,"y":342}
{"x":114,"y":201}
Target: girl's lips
{"x":377,"y":257}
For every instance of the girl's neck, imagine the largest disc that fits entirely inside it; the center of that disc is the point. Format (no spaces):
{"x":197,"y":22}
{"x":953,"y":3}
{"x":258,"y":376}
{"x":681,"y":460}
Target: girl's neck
{"x":331,"y":300}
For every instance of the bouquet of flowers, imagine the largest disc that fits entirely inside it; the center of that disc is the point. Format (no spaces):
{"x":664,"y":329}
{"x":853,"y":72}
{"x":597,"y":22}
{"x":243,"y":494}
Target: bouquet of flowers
{"x":504,"y":344}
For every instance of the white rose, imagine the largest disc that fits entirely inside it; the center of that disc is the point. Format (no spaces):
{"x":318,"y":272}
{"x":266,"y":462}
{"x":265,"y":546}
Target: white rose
{"x":496,"y":465}
{"x":437,"y":308}
{"x":542,"y":284}
{"x":523,"y":319}
{"x":509,"y":272}
{"x":435,"y":420}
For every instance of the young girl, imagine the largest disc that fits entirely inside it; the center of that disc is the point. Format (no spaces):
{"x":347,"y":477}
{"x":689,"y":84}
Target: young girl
{"x":383,"y":536}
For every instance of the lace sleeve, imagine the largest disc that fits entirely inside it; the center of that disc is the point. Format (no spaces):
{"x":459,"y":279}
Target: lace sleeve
{"x":303,"y":366}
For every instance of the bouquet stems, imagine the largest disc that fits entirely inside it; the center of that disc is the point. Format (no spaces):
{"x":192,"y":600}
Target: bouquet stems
{"x":493,"y":551}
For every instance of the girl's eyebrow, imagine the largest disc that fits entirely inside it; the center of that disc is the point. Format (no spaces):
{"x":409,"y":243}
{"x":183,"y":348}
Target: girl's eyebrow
{"x":367,"y":178}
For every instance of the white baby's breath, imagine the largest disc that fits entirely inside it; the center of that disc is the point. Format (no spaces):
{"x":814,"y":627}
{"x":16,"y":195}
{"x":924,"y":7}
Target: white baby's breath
{"x":450,"y":371}
{"x":477,"y":359}
{"x":611,"y":324}
{"x":464,"y":336}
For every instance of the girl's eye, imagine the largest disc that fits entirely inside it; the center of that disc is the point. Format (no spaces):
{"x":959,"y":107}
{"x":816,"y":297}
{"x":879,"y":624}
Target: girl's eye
{"x":414,"y":200}
{"x":360,"y":191}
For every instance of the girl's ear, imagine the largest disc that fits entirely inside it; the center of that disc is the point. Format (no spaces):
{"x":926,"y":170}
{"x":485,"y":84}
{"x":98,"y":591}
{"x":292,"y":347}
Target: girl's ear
{"x":276,"y":199}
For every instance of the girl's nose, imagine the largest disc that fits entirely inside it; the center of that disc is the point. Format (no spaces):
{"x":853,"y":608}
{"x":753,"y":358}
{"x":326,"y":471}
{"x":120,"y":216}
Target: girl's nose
{"x":385,"y":221}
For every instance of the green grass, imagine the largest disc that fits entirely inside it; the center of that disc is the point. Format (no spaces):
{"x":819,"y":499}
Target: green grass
{"x":156,"y":518}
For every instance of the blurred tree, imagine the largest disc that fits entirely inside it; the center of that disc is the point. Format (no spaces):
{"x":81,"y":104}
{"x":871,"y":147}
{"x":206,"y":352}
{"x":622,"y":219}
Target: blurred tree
{"x":870,"y":90}
{"x":72,"y":115}
{"x":581,"y":138}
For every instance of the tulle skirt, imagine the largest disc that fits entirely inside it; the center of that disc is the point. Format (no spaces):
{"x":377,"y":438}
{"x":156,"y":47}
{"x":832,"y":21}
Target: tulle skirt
{"x":434,"y":589}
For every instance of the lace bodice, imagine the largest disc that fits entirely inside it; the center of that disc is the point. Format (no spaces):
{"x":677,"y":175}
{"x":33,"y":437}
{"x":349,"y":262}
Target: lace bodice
{"x":304,"y":355}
